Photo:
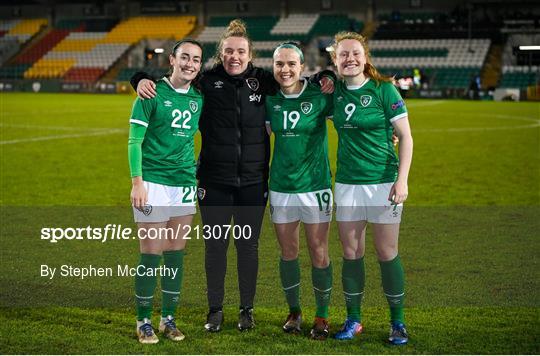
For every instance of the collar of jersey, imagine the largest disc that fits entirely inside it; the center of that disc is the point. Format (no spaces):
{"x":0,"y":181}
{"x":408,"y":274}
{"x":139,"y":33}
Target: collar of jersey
{"x":294,"y":96}
{"x":356,"y":87}
{"x":180,"y":90}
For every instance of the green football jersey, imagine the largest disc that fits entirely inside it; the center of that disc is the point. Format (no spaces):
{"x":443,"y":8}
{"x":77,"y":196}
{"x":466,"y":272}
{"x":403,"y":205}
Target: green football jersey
{"x":300,"y":159}
{"x":172,"y":119}
{"x":363,"y":117}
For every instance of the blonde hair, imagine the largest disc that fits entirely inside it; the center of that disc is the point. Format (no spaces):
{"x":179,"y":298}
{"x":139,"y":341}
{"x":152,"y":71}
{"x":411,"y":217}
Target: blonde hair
{"x":369,"y":70}
{"x":236,"y":28}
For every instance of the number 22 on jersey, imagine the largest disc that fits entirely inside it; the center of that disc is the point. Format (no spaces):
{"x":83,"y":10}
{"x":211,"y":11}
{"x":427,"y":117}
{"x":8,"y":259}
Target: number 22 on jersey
{"x":179,"y":115}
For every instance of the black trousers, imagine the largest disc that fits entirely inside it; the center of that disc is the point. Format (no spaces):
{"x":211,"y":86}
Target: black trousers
{"x":245,"y":206}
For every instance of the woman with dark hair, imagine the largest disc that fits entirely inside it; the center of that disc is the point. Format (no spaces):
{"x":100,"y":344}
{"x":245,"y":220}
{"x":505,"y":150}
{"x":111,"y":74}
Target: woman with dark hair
{"x":160,"y":152}
{"x":233,"y":164}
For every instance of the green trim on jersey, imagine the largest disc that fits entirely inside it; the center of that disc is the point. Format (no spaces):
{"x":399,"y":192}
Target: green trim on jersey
{"x":300,"y":159}
{"x":172,"y":119}
{"x":363,"y":118}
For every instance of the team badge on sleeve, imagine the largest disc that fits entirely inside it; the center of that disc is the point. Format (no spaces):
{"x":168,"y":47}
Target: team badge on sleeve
{"x":193,"y":106}
{"x":252,"y":83}
{"x":365,"y":100}
{"x":398,"y":104}
{"x":306,"y":107}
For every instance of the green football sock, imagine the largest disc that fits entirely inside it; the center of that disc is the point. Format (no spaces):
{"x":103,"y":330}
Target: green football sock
{"x":393,"y":280}
{"x":322,"y":286}
{"x":289,"y":272}
{"x":171,"y":286}
{"x":145,"y":286}
{"x":353,"y":277}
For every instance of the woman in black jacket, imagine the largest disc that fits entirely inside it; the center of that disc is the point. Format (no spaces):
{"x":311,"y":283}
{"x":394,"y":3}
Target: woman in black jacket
{"x":233,"y":164}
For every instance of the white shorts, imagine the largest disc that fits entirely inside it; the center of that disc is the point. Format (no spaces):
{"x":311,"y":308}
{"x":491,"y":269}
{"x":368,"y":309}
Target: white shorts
{"x":310,"y":208}
{"x":165,"y":202}
{"x":366,"y":203}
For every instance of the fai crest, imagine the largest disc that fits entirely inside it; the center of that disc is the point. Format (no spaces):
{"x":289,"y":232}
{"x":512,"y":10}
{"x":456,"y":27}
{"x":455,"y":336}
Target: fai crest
{"x":193,"y":106}
{"x":365,"y":100}
{"x":146,"y":210}
{"x":306,"y":107}
{"x":252,"y":83}
{"x":201,"y":193}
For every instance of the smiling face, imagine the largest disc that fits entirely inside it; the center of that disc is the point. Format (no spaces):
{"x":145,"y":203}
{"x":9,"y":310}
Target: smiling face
{"x":287,"y":67}
{"x":186,"y":62}
{"x":235,"y":55}
{"x":350,"y":58}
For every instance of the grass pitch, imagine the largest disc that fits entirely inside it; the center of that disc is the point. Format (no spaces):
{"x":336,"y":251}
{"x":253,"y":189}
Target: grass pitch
{"x":469,"y":238}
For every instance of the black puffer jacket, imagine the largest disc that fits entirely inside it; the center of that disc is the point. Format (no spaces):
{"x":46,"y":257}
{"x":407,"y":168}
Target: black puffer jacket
{"x":235,"y":148}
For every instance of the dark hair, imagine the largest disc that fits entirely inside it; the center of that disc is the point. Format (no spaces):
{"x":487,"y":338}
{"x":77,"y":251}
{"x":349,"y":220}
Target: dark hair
{"x":195,"y":81}
{"x":187,"y":40}
{"x":292,"y":45}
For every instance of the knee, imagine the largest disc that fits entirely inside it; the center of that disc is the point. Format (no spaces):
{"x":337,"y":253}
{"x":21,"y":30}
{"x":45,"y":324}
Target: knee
{"x":387,"y":253}
{"x":320,"y":258}
{"x":351,"y":253}
{"x":289,"y":254}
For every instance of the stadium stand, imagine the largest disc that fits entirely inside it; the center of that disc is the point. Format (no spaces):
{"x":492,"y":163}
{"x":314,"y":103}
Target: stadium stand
{"x":402,"y":42}
{"x":15,"y":33}
{"x":447,"y":62}
{"x":295,"y":24}
{"x":519,"y":71}
{"x":86,"y":56}
{"x":519,"y":76}
{"x":22,"y":30}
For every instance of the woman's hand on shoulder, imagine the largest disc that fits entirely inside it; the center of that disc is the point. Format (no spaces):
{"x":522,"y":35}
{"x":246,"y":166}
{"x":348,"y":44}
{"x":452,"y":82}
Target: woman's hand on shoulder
{"x":327,"y":85}
{"x":146,"y":89}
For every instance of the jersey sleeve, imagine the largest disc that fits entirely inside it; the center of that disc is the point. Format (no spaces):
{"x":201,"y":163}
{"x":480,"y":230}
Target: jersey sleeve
{"x":393,"y":104}
{"x":142,"y":111}
{"x":136,"y":138}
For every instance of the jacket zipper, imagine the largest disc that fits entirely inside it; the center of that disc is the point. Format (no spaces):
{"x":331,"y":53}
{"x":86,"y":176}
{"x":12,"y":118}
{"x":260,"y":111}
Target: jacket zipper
{"x":238,"y":135}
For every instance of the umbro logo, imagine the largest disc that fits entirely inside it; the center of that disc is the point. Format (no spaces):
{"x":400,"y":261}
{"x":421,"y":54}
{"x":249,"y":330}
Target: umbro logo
{"x":218,"y":84}
{"x":277,"y":107}
{"x":167,"y":103}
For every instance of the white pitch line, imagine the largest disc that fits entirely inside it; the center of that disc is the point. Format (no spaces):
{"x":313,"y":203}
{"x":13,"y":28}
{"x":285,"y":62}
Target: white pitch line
{"x":58,"y":137}
{"x":427,"y":103}
{"x":63,"y":128}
